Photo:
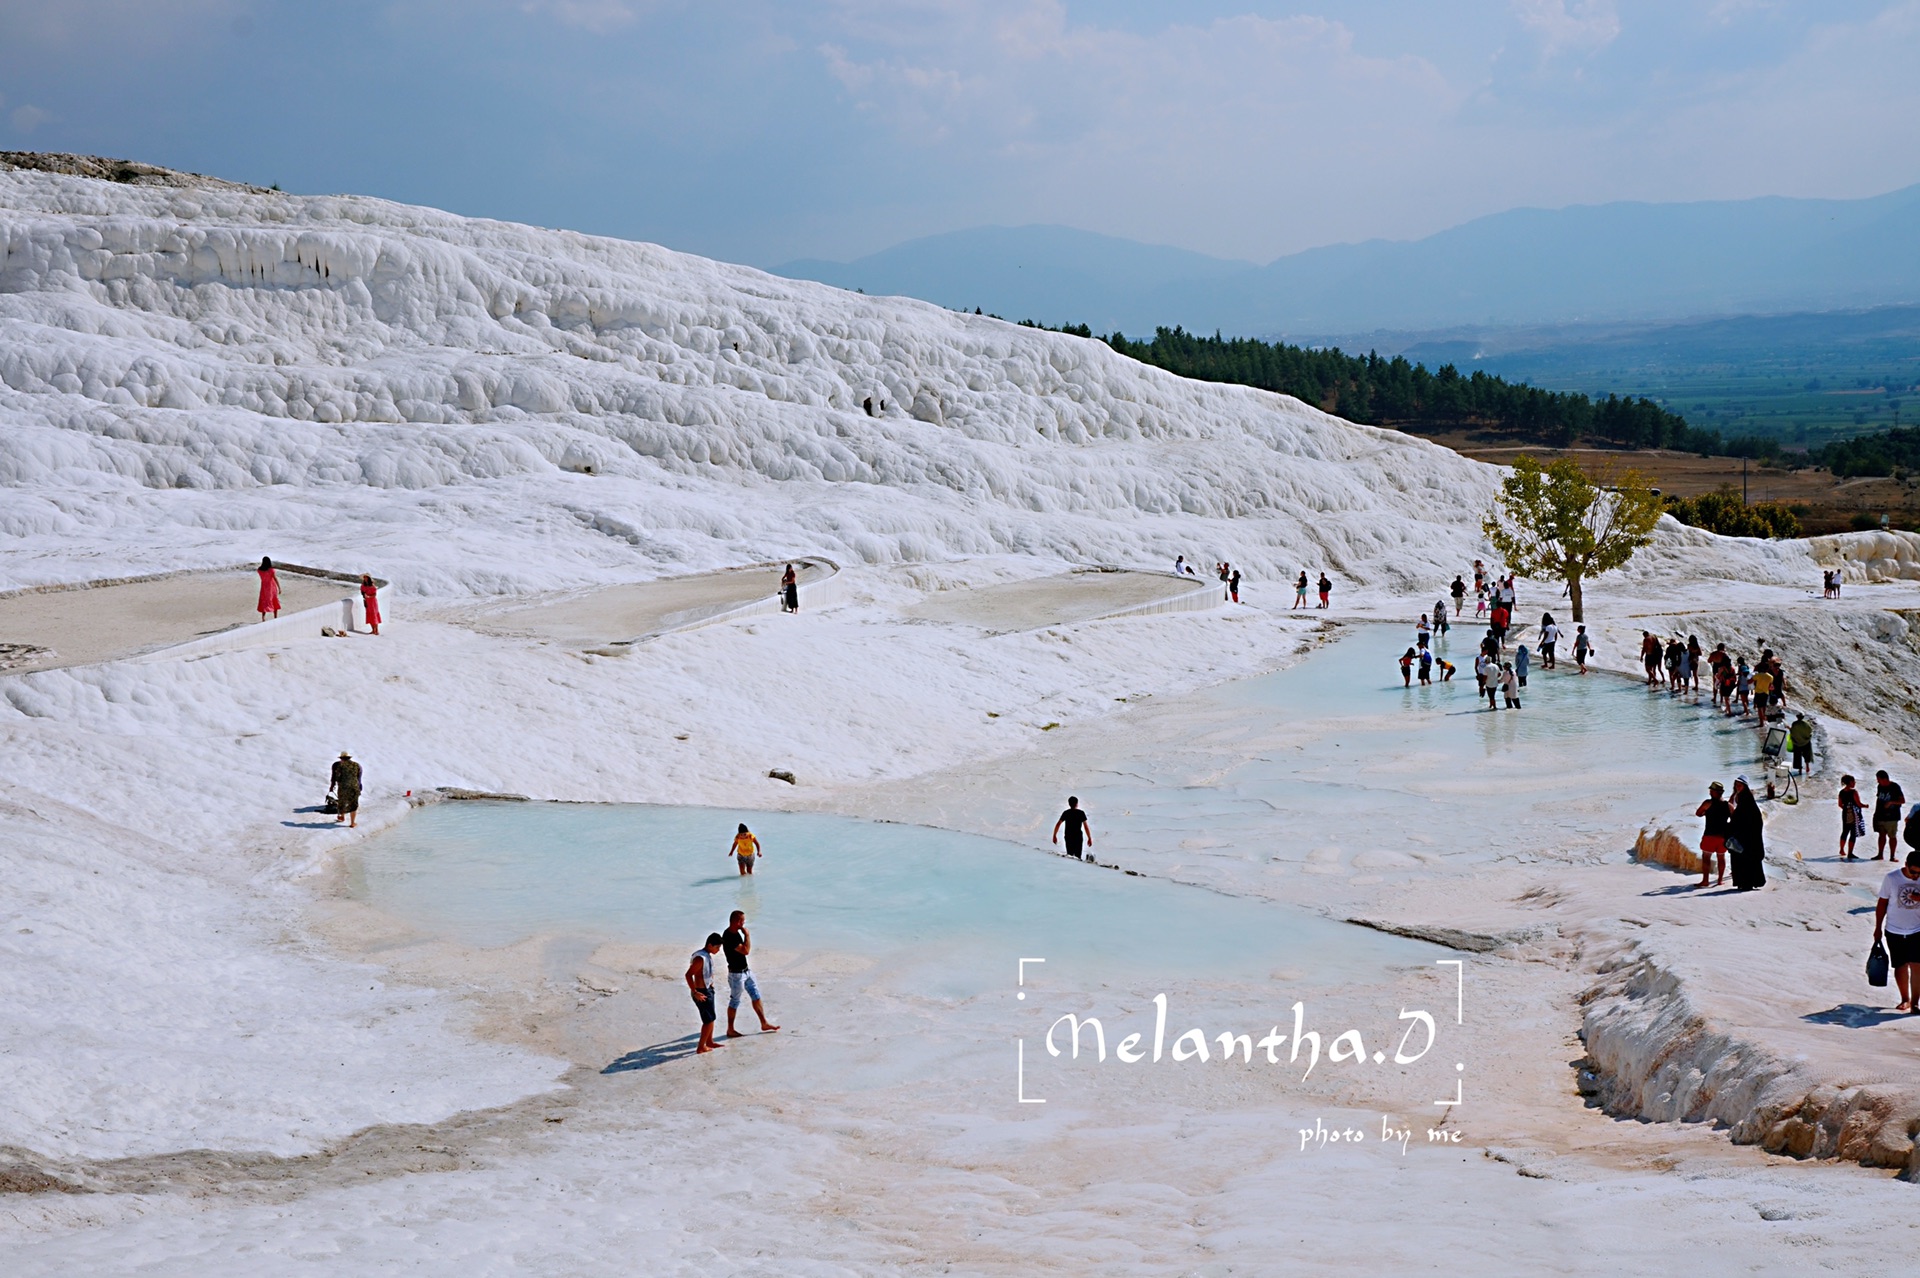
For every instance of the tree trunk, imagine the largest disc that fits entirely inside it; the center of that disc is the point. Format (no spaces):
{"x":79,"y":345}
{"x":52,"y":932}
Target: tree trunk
{"x":1573,"y":595}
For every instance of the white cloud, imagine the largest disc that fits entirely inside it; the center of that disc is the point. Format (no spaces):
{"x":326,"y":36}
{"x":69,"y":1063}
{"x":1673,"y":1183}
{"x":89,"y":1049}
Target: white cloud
{"x":26,"y":118}
{"x":1586,"y":25}
{"x":597,"y":16}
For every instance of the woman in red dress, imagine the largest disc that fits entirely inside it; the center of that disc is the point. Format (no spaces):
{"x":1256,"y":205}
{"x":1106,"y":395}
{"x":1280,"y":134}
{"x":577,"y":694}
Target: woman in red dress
{"x":369,"y":597}
{"x":269,"y":589}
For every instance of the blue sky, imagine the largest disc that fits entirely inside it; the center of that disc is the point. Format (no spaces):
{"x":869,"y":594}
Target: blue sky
{"x":760,"y":131}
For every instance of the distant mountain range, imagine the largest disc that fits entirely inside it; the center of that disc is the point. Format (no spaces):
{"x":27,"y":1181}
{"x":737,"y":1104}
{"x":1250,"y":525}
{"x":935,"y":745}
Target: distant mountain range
{"x":1624,"y":262}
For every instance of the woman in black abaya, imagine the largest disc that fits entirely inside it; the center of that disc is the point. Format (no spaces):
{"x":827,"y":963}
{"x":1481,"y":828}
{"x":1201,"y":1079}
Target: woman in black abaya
{"x":1746,"y":840}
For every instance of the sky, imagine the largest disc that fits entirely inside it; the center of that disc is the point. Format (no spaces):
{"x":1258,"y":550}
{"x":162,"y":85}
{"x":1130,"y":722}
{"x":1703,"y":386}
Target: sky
{"x":765,"y":130}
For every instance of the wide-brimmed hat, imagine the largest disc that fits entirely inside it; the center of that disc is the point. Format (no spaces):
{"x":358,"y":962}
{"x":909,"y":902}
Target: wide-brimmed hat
{"x":1715,"y":786}
{"x":345,"y":755}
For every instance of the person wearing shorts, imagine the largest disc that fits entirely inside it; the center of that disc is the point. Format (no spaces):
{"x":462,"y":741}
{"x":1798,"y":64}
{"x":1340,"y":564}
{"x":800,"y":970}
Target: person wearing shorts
{"x":1713,"y":838}
{"x":700,"y":984}
{"x":1897,"y":912}
{"x":740,"y":984}
{"x":745,"y":850}
{"x":1300,"y":591}
{"x":1077,"y":827}
{"x":1888,"y":802}
{"x":1853,"y":818}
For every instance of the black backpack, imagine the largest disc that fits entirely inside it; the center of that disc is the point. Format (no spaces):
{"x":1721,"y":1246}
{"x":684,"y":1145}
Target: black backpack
{"x":1911,"y":830}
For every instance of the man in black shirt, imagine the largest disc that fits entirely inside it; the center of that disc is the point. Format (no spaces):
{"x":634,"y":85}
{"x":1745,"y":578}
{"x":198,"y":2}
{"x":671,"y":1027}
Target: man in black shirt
{"x":1077,"y":828}
{"x":738,"y":944}
{"x":1888,"y":799}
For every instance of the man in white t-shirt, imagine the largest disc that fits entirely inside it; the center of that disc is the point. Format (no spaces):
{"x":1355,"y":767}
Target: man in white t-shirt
{"x":1897,"y":913}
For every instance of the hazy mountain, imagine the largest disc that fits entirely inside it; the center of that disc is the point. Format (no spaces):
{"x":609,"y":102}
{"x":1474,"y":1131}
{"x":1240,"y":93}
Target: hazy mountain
{"x":1589,"y":263}
{"x":1050,"y":273}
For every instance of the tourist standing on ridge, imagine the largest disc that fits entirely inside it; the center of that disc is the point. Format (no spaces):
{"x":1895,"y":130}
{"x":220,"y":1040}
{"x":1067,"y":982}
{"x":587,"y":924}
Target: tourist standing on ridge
{"x":1078,"y":828}
{"x":1897,"y":912}
{"x":1888,"y":800}
{"x":1853,"y":817}
{"x":700,"y":982}
{"x":738,"y":944}
{"x":1746,"y":839}
{"x":1459,"y":593}
{"x":789,"y":590}
{"x":344,"y":785}
{"x":269,"y":589}
{"x":745,"y":850}
{"x":1233,"y":586}
{"x":1713,"y":838}
{"x":370,"y":601}
{"x":1300,"y":590}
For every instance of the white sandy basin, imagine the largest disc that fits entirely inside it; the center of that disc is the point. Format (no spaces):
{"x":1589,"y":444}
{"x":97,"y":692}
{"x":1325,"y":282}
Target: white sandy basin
{"x":108,"y":622}
{"x":1061,"y":599}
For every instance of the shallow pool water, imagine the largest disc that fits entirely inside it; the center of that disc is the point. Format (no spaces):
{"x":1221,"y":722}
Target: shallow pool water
{"x":495,"y":873}
{"x":1333,"y":764}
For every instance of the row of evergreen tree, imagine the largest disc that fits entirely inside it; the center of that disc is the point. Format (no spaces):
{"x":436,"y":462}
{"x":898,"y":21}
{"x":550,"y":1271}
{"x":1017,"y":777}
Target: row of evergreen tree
{"x":1881,"y":453}
{"x":1393,"y":391}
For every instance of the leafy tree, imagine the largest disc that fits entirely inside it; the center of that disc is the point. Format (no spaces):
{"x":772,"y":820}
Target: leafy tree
{"x":1723,"y":512}
{"x":1554,"y":521}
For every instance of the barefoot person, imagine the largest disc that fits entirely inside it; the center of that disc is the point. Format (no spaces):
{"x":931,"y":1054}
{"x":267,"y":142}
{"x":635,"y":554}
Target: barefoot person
{"x":1300,"y":590}
{"x":700,"y":983}
{"x":745,"y":850}
{"x":789,"y":590}
{"x":345,"y":787}
{"x":738,"y":944}
{"x":1897,"y":913}
{"x":1077,"y":826}
{"x":269,"y":588}
{"x":1713,"y":838}
{"x":370,"y":600}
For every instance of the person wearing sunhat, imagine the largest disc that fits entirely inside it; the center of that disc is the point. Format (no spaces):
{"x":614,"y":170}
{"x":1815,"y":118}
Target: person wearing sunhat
{"x":1713,"y":838}
{"x":345,"y":787}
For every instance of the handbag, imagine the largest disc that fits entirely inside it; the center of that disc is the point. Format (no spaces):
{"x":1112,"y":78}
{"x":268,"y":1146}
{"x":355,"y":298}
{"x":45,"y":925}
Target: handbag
{"x":1877,"y":964}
